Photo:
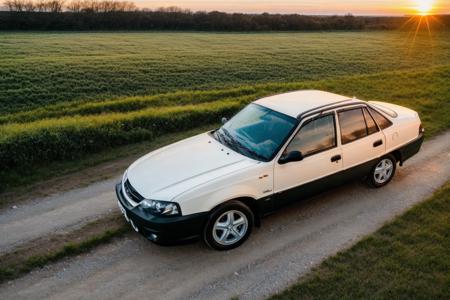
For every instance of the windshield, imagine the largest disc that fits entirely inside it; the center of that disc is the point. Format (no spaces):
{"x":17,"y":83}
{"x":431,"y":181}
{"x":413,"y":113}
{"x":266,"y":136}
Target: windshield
{"x":256,"y":131}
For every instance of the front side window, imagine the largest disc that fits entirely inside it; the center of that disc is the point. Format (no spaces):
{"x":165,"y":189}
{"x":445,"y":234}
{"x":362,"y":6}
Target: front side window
{"x":315,"y":136}
{"x":353,"y":125}
{"x":256,"y":131}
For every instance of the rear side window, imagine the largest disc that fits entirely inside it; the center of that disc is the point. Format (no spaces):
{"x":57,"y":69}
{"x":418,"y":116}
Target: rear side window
{"x":315,"y":136}
{"x":371,"y":126}
{"x":381,"y":120}
{"x":353,"y":125}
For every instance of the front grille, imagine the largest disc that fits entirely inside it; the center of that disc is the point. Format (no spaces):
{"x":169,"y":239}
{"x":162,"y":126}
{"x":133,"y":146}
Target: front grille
{"x":132,"y":193}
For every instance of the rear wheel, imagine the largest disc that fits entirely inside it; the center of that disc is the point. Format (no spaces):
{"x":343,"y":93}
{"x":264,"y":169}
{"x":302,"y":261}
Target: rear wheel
{"x":383,"y":171}
{"x":229,"y":226}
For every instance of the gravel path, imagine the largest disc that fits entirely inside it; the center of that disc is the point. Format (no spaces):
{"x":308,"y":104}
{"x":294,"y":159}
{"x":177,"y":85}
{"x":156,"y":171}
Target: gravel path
{"x":58,"y":213}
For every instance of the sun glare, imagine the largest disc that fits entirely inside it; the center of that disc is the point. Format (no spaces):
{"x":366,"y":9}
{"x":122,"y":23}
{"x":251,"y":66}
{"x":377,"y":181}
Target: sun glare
{"x":423,"y":19}
{"x":424,"y":7}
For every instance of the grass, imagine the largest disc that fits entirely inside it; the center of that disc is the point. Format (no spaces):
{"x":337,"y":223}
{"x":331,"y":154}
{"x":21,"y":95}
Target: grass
{"x":64,"y":96}
{"x":58,"y":135}
{"x":40,"y":68}
{"x":408,"y":258}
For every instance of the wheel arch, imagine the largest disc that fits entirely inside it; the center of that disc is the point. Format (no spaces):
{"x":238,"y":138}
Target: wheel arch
{"x":398,"y":156}
{"x":250,"y":202}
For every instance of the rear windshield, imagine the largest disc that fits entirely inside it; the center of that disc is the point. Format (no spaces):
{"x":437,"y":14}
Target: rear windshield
{"x":391,"y":113}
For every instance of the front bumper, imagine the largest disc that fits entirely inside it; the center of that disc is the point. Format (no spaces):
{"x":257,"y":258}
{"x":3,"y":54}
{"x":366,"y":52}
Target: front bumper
{"x":163,"y":229}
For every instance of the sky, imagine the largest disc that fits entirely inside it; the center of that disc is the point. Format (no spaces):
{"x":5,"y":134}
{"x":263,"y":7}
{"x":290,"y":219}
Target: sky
{"x":317,"y":7}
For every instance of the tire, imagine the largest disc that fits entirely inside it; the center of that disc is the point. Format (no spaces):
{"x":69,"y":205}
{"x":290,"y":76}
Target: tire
{"x":383,"y":171}
{"x":220,"y":234}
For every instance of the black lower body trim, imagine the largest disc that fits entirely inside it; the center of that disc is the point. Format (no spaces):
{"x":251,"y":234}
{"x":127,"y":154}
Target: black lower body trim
{"x":309,"y":189}
{"x":410,"y":149}
{"x":318,"y":186}
{"x":163,"y":229}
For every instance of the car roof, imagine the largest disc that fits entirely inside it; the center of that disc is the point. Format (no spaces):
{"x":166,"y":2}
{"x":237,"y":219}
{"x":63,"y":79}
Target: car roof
{"x":298,"y":102}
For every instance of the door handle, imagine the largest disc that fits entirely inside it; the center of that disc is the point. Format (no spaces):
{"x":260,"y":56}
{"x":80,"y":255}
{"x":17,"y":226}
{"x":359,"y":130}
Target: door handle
{"x":377,"y":143}
{"x":336,"y":158}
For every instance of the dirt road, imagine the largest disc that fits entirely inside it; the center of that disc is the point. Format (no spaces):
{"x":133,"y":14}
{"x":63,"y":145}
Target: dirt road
{"x":58,"y":213}
{"x":287,"y":245}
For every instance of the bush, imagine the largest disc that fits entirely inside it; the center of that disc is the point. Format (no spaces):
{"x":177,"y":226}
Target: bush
{"x":46,"y":140}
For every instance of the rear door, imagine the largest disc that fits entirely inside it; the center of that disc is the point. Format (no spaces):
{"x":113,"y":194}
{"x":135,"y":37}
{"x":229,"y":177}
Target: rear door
{"x":362,"y":141}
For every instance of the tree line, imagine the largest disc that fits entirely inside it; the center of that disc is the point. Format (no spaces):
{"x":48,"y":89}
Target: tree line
{"x":124,"y":15}
{"x":58,"y":6}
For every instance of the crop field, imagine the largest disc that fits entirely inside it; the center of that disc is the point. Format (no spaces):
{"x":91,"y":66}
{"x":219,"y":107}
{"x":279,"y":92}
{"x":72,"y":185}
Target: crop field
{"x":45,"y":68}
{"x":64,"y":95}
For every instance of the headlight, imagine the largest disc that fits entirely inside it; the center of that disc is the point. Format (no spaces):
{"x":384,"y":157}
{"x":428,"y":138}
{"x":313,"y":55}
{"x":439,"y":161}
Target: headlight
{"x":157,"y":207}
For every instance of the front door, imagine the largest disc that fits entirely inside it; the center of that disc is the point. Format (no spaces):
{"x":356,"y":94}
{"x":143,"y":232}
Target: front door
{"x":317,"y":142}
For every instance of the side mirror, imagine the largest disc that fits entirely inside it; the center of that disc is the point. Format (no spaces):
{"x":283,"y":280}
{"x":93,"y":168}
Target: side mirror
{"x":224,"y":120}
{"x":291,"y":156}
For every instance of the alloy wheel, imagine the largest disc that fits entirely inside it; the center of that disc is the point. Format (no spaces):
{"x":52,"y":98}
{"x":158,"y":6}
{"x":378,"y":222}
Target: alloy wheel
{"x":383,"y":171}
{"x":230,"y":227}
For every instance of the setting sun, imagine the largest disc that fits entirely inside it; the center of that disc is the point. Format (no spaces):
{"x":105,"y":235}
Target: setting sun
{"x":424,"y":7}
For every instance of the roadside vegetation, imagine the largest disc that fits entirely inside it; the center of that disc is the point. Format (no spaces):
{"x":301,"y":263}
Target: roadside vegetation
{"x":409,"y":258}
{"x":69,"y":131}
{"x":45,"y":250}
{"x":61,"y":176}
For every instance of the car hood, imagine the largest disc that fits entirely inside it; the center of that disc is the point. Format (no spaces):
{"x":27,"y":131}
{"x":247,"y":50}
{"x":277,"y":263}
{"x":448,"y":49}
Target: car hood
{"x":165,"y":173}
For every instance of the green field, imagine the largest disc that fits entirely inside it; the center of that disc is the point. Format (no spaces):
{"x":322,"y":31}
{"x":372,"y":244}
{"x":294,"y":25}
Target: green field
{"x":65,"y":95}
{"x":44,"y":68}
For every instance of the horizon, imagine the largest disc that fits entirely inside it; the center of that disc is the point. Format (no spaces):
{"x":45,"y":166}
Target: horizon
{"x":370,"y":8}
{"x":318,"y":7}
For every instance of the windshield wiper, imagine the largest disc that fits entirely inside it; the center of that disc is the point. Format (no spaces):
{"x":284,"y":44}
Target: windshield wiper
{"x":240,"y":145}
{"x":221,"y":138}
{"x":230,"y":141}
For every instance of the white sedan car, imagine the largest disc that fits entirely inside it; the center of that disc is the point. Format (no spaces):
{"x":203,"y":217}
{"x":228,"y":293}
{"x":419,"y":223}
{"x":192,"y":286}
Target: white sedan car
{"x":279,"y":149}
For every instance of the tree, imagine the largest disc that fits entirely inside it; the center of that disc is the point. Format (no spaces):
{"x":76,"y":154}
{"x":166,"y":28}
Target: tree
{"x":16,"y":5}
{"x":55,"y":6}
{"x":29,"y":6}
{"x":74,"y":6}
{"x":40,"y":5}
{"x":9,"y":4}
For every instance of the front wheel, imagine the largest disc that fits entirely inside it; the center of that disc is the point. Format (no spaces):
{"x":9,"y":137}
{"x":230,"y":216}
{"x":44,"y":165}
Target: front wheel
{"x":229,"y":226}
{"x":383,"y":171}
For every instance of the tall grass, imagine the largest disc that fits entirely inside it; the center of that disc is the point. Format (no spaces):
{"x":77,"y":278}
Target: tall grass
{"x":25,"y":144}
{"x":127,"y":104}
{"x":70,"y":130}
